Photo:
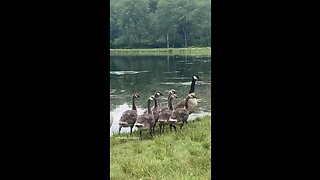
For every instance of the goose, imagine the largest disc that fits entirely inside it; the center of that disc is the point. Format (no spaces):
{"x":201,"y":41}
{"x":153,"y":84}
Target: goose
{"x":165,"y":113}
{"x":180,"y":116}
{"x":111,"y":119}
{"x":155,"y":109}
{"x":192,"y":103}
{"x":129,"y":117}
{"x":172,"y":91}
{"x":146,"y":120}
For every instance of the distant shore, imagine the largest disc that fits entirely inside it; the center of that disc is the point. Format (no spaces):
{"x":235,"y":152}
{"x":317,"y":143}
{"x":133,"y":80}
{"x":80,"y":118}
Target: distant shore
{"x":205,"y":51}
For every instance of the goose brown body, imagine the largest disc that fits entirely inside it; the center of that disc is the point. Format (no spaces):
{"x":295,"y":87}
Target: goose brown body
{"x":172,"y":91}
{"x":192,"y":103}
{"x":129,"y":117}
{"x":156,"y":108}
{"x":146,"y":121}
{"x":165,"y":113}
{"x":180,"y":115}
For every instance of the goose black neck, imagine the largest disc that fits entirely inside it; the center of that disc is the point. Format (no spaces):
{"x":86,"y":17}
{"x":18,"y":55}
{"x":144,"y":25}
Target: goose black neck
{"x":169,"y":96}
{"x":170,"y":103}
{"x":155,"y":103}
{"x":133,"y":104}
{"x":149,"y":108}
{"x":169,"y":99}
{"x":193,"y":85}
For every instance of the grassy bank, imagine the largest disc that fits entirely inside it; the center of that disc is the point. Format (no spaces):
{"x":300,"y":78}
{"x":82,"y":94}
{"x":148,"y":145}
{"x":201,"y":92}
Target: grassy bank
{"x":180,"y":155}
{"x":162,"y":52}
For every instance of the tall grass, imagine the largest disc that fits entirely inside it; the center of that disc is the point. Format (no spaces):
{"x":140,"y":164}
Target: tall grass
{"x":162,"y":51}
{"x":182,"y":155}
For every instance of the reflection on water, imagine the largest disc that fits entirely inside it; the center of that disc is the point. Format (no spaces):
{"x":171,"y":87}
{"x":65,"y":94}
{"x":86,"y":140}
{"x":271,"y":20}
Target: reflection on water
{"x":146,"y":75}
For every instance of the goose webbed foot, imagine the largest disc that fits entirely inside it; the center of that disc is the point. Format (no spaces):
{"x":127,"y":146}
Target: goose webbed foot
{"x":154,"y":126}
{"x":151,"y":135}
{"x":119,"y":129}
{"x":140,"y":135}
{"x":153,"y":129}
{"x":150,"y":132}
{"x":181,"y":125}
{"x":131,"y":130}
{"x":160,"y":129}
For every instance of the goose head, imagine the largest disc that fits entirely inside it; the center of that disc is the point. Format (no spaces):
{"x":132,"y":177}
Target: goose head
{"x":173,"y":96}
{"x":191,"y":95}
{"x":195,"y":77}
{"x":136,"y":95}
{"x":172,"y":91}
{"x":158,"y":94}
{"x":151,"y":98}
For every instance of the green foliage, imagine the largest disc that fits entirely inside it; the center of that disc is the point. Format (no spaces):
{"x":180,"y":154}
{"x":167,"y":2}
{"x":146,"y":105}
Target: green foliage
{"x":160,"y":23}
{"x":169,"y":156}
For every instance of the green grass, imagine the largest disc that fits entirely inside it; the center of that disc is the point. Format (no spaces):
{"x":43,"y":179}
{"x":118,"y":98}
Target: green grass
{"x":162,"y":51}
{"x":181,"y":155}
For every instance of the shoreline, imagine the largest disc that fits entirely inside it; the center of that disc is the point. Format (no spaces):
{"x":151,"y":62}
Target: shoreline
{"x":205,"y":51}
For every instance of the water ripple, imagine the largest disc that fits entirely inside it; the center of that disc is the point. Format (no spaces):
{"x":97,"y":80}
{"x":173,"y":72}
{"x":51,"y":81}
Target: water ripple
{"x":126,"y":72}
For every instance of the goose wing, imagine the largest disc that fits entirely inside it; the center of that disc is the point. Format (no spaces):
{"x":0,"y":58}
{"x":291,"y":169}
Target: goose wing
{"x":192,"y":105}
{"x":129,"y":116}
{"x":165,"y":115}
{"x":183,"y":114}
{"x":180,"y":104}
{"x":174,"y":114}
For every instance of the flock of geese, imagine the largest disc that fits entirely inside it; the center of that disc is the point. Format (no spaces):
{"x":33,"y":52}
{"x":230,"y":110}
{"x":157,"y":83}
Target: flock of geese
{"x":172,"y":116}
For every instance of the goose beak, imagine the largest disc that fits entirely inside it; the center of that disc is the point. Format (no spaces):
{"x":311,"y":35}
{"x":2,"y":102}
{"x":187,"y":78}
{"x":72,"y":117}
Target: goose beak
{"x":197,"y":78}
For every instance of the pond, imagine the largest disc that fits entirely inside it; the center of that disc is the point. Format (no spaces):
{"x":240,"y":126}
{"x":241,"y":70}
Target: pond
{"x":147,"y":74}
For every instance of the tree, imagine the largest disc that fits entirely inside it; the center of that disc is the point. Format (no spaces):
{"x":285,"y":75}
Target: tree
{"x":160,"y":23}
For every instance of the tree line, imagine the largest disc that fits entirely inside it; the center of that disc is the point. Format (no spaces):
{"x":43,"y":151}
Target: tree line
{"x":160,"y":23}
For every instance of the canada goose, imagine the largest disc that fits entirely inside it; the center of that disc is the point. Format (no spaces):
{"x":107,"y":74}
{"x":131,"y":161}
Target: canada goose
{"x":111,"y":119}
{"x":129,"y":117}
{"x":180,"y":115}
{"x":146,"y":120}
{"x":172,"y":91}
{"x":165,"y":113}
{"x":192,"y":103}
{"x":155,"y":109}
